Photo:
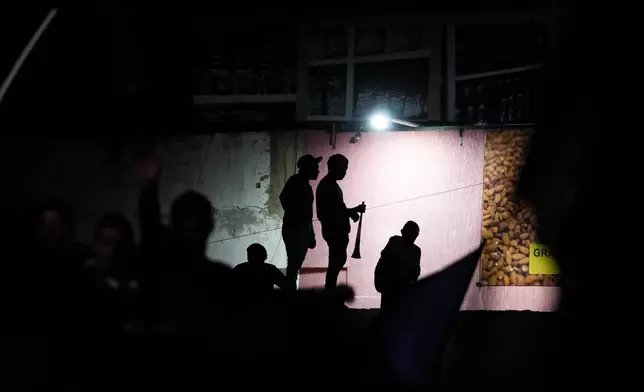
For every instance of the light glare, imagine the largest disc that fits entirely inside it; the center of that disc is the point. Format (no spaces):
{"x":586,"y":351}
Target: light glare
{"x":379,"y":122}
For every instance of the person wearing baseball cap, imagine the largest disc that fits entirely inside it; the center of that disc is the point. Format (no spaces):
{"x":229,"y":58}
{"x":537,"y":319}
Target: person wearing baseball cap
{"x":297,"y":226}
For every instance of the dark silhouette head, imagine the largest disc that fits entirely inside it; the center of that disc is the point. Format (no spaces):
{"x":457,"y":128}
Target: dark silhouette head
{"x":113,"y":238}
{"x":54,"y":225}
{"x":191,"y":219}
{"x":256,"y":254}
{"x":309,"y":166}
{"x":338,"y":165}
{"x":410,"y":231}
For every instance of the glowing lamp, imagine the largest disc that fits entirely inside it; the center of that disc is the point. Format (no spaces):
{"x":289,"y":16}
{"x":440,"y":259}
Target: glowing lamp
{"x":380,"y":122}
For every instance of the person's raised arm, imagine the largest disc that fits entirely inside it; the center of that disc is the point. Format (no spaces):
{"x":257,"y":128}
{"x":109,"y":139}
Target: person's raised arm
{"x":152,"y":230}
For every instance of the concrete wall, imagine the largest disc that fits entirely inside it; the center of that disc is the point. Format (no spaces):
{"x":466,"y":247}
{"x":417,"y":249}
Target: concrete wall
{"x":424,"y":176}
{"x":233,"y":171}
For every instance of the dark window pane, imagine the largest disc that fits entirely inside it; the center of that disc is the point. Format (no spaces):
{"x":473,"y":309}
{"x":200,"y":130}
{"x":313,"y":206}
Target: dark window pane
{"x":369,"y":40}
{"x":327,"y":89}
{"x":327,"y":42}
{"x":511,"y":98}
{"x":376,"y":39}
{"x":249,"y":61}
{"x":398,"y":87}
{"x":482,"y":48}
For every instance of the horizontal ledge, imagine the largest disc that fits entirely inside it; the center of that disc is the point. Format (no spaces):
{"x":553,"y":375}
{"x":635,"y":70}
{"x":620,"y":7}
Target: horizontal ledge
{"x":411,"y":55}
{"x":542,"y":15}
{"x":205,"y":99}
{"x":421,"y":126}
{"x":316,"y":117}
{"x":498,"y":72}
{"x":489,"y":127}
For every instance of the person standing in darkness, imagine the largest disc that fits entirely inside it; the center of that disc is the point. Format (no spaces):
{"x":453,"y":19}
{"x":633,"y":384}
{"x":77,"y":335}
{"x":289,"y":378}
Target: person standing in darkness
{"x":334,"y":216}
{"x":188,"y":297}
{"x":297,"y":227}
{"x":399,"y":265}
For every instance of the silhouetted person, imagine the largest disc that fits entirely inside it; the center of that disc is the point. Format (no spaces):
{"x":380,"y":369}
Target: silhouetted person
{"x":188,"y":295}
{"x":54,"y":225}
{"x":178,"y":251}
{"x":55,"y":288}
{"x":114,"y":253}
{"x":53,"y":234}
{"x":399,"y":265}
{"x":334,"y":216}
{"x":112,"y":303}
{"x":256,"y":277}
{"x":570,"y":150}
{"x":297,"y":226}
{"x":113,"y":271}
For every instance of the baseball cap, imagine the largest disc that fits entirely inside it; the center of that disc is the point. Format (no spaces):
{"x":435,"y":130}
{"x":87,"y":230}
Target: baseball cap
{"x":308,"y":160}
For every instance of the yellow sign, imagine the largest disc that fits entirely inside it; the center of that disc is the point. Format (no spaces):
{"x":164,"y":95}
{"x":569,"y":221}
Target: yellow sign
{"x":541,"y":260}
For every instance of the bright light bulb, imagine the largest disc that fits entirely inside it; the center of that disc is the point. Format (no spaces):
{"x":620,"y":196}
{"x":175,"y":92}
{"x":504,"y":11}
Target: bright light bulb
{"x":379,"y":122}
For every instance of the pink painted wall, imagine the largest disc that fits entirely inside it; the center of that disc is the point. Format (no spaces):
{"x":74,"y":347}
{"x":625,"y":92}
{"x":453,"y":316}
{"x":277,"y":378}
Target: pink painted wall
{"x":424,"y":176}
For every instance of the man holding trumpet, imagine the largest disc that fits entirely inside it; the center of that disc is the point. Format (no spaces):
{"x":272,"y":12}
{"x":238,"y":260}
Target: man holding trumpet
{"x":334,"y":216}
